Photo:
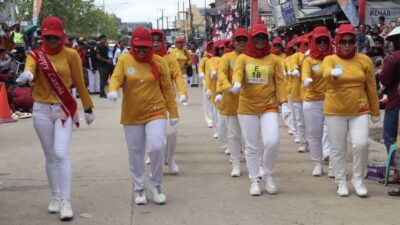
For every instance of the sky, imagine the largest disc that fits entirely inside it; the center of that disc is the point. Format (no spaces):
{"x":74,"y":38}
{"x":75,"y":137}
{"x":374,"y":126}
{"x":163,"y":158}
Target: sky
{"x":147,"y":10}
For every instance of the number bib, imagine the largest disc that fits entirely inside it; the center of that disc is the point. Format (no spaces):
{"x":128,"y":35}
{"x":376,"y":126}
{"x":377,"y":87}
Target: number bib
{"x":256,"y":74}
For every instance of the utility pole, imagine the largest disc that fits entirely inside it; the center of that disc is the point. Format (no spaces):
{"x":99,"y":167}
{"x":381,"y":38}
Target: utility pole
{"x":205,"y":18}
{"x":191,"y":21}
{"x":162,"y":19}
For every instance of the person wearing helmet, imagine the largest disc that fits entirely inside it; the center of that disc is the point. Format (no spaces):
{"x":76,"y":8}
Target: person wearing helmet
{"x":390,"y":79}
{"x":55,"y":69}
{"x":229,"y":102}
{"x":350,"y":99}
{"x":148,"y":97}
{"x":258,"y":76}
{"x":313,"y":99}
{"x":160,"y":49}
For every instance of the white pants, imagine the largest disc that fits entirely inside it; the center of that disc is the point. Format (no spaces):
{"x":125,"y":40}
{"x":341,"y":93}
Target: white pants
{"x":234,"y":139}
{"x":55,"y":138}
{"x":314,"y":120}
{"x":215,"y":114}
{"x":152,"y":135}
{"x":222,"y":131}
{"x":338,"y":127}
{"x":292,"y":117}
{"x":326,"y":146}
{"x":171,"y":143}
{"x":251,"y":126}
{"x":207,"y":105}
{"x":287,"y":117}
{"x":297,"y":111}
{"x":94,"y":81}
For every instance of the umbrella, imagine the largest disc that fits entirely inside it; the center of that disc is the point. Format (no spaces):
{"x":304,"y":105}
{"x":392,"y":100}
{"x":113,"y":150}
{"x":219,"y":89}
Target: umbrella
{"x":31,"y":28}
{"x":395,"y":33}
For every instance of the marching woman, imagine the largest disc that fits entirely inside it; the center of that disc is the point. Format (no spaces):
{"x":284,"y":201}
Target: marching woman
{"x":148,"y":96}
{"x":229,"y":101}
{"x":160,"y":49}
{"x":202,"y":69}
{"x":289,"y":115}
{"x":350,"y":98}
{"x":313,"y":99}
{"x":211,"y":77}
{"x":182,"y":56}
{"x":54,"y":69}
{"x":258,"y":77}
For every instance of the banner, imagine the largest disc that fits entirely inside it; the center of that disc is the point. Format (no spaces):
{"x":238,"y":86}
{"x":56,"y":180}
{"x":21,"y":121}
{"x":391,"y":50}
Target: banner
{"x":350,"y":11}
{"x":37,"y":4}
{"x":288,"y":13}
{"x":389,"y":9}
{"x":280,"y":22}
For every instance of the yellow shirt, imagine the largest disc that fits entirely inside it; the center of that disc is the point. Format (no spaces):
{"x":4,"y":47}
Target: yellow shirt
{"x":354,"y":93}
{"x":182,"y":57}
{"x":230,"y":102}
{"x":69,"y":67}
{"x":297,"y":89}
{"x":262,"y":84}
{"x":176,"y":75}
{"x":144,"y":98}
{"x":288,"y":80}
{"x":211,"y":83}
{"x":312,"y":68}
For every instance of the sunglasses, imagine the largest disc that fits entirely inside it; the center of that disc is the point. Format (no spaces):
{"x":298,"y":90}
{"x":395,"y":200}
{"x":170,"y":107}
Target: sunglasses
{"x":260,"y":37}
{"x":347,"y":42}
{"x":322,"y":39}
{"x":277,"y":45}
{"x":239,"y":39}
{"x":52,"y":37}
{"x":159,"y":40}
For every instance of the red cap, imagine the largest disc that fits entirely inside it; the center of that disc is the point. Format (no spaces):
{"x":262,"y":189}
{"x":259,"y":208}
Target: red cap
{"x":157,"y":31}
{"x":320,"y":31}
{"x":180,"y":40}
{"x":258,"y":28}
{"x":219,"y":44}
{"x":346,"y":29}
{"x":52,"y":25}
{"x":241,"y":32}
{"x":142,"y":37}
{"x":290,"y":44}
{"x":277,"y":40}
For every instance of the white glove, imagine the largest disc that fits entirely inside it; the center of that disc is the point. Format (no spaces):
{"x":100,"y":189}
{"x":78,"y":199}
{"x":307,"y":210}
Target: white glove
{"x":285,"y":74}
{"x":89,"y":117}
{"x":289,"y":73}
{"x":295,"y":73}
{"x":214,"y":74}
{"x":375,"y":119}
{"x":201,"y":75}
{"x":24,"y":77}
{"x":208,"y":93}
{"x":218,"y":98}
{"x":337,"y":72}
{"x":182,"y":98}
{"x":112,"y":96}
{"x":236,"y":88}
{"x":307,"y":81}
{"x":173,"y":121}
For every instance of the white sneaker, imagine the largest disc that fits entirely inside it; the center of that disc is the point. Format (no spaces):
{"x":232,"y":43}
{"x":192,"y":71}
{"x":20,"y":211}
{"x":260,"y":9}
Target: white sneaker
{"x":297,"y":140}
{"x":54,"y":206}
{"x":227,"y":152}
{"x":290,"y":132}
{"x":215,"y":135}
{"x":158,"y":196}
{"x":140,"y":198}
{"x":255,"y":189}
{"x":148,"y":161}
{"x":66,"y":212}
{"x":330,"y":173}
{"x":360,"y":187}
{"x":325,"y":158}
{"x":236,"y":171}
{"x":302,"y":148}
{"x":317,"y":171}
{"x":173,"y":167}
{"x":342,"y":190}
{"x":270,"y":185}
{"x":209,"y":125}
{"x":261,"y":172}
{"x":185,"y":103}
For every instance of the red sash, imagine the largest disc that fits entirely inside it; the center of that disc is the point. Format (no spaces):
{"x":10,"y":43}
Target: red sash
{"x":68,"y":103}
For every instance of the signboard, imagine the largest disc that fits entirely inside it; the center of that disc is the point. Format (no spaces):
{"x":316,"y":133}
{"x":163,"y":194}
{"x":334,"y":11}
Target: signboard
{"x":288,"y":13}
{"x":280,"y":22}
{"x":389,"y":9}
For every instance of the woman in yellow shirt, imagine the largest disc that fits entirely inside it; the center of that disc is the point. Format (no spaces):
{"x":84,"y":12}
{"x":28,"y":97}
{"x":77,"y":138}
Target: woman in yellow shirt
{"x":350,"y":98}
{"x":313,"y":99}
{"x":160,"y":49}
{"x":229,"y":102}
{"x":202,"y":68}
{"x":182,"y":56}
{"x":148,"y":97}
{"x":54,"y":70}
{"x":259,"y":77}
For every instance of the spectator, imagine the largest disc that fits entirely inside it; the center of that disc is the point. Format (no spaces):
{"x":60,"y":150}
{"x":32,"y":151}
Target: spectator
{"x":385,"y":32}
{"x":361,"y":39}
{"x":368,"y":35}
{"x":121,"y":49}
{"x":398,"y":22}
{"x":103,"y":63}
{"x":91,"y":67}
{"x":381,"y":22}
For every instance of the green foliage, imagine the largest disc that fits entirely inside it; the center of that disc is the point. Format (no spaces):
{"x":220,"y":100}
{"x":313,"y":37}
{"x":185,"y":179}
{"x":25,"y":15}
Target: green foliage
{"x":79,"y":17}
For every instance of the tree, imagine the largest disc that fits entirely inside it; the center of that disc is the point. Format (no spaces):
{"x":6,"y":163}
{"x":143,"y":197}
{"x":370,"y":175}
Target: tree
{"x":78,"y":16}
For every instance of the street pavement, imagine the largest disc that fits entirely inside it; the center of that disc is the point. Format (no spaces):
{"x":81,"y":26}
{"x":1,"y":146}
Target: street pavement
{"x":203,"y":193}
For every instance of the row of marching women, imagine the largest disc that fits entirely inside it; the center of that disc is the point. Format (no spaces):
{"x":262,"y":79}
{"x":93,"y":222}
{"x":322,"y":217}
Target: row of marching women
{"x":323,"y":87}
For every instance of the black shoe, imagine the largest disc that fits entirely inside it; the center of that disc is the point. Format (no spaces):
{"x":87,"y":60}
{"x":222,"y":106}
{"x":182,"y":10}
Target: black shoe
{"x":103,"y":96}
